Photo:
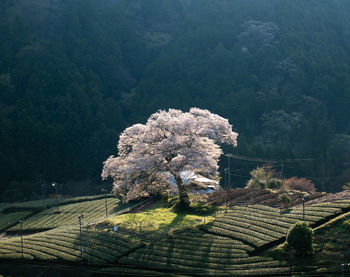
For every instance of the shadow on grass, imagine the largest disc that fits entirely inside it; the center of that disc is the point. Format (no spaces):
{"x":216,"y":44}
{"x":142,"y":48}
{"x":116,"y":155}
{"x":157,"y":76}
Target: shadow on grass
{"x":200,"y":209}
{"x":179,"y":222}
{"x":123,"y":206}
{"x":198,"y":256}
{"x":286,"y":211}
{"x":105,"y":246}
{"x":162,"y":217}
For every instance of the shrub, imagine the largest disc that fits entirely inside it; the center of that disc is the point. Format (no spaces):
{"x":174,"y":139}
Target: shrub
{"x":300,"y":238}
{"x":263,"y":177}
{"x":301,"y":184}
{"x":285,"y":199}
{"x":275,"y":183}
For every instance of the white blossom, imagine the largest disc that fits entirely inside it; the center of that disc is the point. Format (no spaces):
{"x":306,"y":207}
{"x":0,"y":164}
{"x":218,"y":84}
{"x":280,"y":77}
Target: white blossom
{"x":170,"y":141}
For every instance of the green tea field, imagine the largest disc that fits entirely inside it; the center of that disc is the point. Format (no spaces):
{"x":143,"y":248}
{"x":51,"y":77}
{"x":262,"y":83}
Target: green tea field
{"x":229,"y":243}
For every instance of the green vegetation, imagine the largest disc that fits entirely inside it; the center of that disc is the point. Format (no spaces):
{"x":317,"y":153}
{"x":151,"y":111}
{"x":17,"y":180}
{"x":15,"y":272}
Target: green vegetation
{"x":36,"y":204}
{"x":300,"y":238}
{"x":227,"y":243}
{"x":259,"y":225}
{"x":162,"y":218}
{"x":64,"y":215}
{"x":7,"y":220}
{"x":197,"y":252}
{"x":332,"y":243}
{"x":330,"y":249}
{"x":285,"y":199}
{"x":284,"y":86}
{"x":74,"y":74}
{"x":262,"y":178}
{"x":47,"y":202}
{"x":64,"y":244}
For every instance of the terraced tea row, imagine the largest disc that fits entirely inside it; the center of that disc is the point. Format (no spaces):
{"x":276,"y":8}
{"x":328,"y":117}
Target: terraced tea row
{"x":49,"y":202}
{"x":30,"y":204}
{"x":68,"y":214}
{"x":197,"y":252}
{"x":65,"y":244}
{"x":258,"y":225}
{"x":224,"y":246}
{"x":7,"y":220}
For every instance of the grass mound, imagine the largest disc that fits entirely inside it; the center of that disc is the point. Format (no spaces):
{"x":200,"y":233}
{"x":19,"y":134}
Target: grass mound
{"x":161,"y":218}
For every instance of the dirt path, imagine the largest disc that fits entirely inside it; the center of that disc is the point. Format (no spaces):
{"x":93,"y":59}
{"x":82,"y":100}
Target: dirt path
{"x":329,"y":197}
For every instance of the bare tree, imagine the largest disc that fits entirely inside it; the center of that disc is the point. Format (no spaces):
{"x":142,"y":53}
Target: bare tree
{"x":170,"y":141}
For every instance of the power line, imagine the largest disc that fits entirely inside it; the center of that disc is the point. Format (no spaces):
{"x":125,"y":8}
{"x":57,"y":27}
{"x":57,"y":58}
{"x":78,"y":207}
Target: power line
{"x":238,"y":157}
{"x":255,"y":159}
{"x":239,"y":175}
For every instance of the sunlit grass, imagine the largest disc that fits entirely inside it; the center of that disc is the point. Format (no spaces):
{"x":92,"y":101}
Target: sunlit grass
{"x":160,"y":218}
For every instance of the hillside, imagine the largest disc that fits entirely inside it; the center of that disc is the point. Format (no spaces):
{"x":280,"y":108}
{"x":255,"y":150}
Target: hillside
{"x":74,"y":74}
{"x":230,"y":243}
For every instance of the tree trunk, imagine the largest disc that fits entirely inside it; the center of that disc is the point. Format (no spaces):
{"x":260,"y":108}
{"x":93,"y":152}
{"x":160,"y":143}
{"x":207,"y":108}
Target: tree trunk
{"x":183,"y":196}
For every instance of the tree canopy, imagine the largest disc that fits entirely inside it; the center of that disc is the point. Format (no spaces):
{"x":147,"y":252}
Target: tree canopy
{"x":75,"y":74}
{"x":170,"y":142}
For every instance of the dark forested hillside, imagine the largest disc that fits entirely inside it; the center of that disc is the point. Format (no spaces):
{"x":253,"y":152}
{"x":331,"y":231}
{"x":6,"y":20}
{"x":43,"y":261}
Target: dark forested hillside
{"x":74,"y":74}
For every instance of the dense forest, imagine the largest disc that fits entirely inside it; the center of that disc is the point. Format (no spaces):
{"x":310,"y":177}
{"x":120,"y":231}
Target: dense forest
{"x":75,"y":73}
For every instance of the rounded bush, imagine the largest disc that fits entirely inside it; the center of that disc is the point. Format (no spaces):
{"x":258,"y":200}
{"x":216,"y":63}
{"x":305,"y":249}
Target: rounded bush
{"x":285,"y":199}
{"x":262,"y":178}
{"x":275,"y":183}
{"x":300,"y":237}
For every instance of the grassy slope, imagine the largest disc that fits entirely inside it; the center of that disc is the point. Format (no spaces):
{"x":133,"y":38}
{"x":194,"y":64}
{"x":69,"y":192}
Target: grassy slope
{"x":332,"y":245}
{"x":331,"y":249}
{"x":161,"y":218}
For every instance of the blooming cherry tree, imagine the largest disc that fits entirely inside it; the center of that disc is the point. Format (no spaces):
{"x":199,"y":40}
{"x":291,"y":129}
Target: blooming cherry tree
{"x":170,"y":141}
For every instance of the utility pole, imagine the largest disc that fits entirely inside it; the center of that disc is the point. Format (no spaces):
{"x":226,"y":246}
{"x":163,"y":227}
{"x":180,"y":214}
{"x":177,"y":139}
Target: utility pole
{"x":80,"y":217}
{"x":43,"y":193}
{"x":226,"y":187}
{"x":55,"y":186}
{"x":21,"y":222}
{"x":88,"y":242}
{"x":282,"y":174}
{"x":304,"y":199}
{"x":343,"y":267}
{"x":229,"y":170}
{"x":105,"y":192}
